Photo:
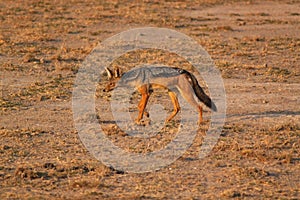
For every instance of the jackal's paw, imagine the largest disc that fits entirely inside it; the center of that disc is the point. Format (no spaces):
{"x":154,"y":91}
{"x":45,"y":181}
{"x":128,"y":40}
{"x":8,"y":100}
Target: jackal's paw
{"x":146,"y":114}
{"x":142,"y":122}
{"x":138,"y":121}
{"x":200,"y":122}
{"x":167,"y":121}
{"x":203,"y":122}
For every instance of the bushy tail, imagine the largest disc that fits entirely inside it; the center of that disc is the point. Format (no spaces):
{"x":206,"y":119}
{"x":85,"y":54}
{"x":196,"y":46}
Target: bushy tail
{"x":201,"y":94}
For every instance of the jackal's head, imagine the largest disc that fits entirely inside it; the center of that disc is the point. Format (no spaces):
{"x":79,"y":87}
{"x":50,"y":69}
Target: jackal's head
{"x":113,"y":76}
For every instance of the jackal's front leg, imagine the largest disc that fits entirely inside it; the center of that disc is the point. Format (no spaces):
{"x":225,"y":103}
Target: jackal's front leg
{"x":143,"y":102}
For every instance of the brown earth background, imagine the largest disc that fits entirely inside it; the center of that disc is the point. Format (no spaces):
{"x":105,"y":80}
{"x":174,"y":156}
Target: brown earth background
{"x":255,"y":45}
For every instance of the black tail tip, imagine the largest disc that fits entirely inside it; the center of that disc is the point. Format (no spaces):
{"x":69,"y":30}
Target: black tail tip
{"x":213,"y":107}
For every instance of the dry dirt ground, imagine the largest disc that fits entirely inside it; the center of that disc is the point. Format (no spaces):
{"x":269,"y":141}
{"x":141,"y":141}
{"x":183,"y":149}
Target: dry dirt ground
{"x":255,"y":45}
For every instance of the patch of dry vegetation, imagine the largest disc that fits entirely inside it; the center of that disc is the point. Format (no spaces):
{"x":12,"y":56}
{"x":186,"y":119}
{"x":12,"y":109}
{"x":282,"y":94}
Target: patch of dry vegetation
{"x":43,"y":43}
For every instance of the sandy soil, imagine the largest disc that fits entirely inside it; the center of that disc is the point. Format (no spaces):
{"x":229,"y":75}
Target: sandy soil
{"x":255,"y":45}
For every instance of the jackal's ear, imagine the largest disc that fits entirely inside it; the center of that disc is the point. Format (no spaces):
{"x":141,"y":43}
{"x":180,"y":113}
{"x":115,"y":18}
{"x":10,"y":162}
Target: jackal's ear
{"x":109,"y":73}
{"x":117,"y":73}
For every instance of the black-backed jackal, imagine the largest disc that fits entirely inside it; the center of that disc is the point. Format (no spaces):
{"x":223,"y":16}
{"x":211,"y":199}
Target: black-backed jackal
{"x":148,"y":78}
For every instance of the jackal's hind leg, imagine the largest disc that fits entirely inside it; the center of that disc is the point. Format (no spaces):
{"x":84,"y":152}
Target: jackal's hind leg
{"x":176,"y":105}
{"x":200,"y":110}
{"x":188,"y":94}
